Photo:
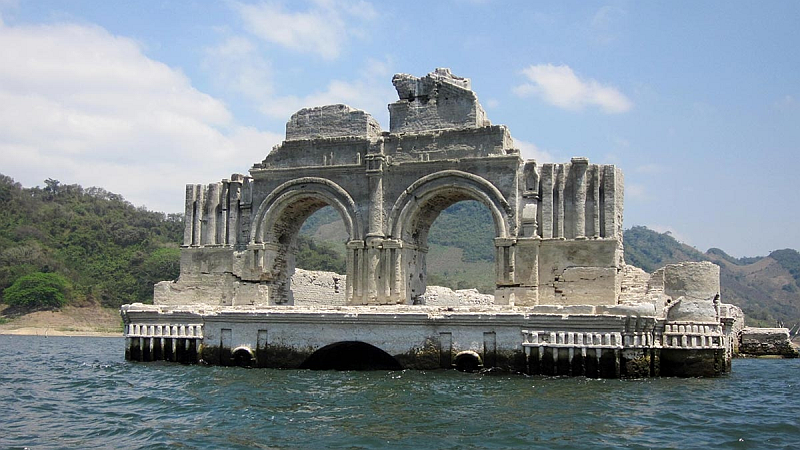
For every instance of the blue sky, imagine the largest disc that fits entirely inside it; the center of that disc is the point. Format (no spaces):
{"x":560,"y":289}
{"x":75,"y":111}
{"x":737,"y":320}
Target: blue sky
{"x":697,"y":102}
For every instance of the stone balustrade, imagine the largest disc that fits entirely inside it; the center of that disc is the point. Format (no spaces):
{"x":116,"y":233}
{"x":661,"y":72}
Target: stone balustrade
{"x":133,"y":330}
{"x":693,"y":335}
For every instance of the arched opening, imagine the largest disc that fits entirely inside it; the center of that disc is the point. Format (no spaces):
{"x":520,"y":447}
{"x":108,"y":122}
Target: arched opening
{"x":279,"y":221}
{"x":467,"y":361}
{"x":420,"y":205}
{"x":350,"y":355}
{"x":461,"y":251}
{"x":243,"y":357}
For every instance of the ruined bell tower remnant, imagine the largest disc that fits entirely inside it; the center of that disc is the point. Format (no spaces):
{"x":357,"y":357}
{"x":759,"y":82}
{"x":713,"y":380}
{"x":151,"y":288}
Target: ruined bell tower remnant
{"x":565,"y":301}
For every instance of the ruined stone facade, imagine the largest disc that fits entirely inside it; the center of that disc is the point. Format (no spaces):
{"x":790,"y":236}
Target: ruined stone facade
{"x":561,"y":282}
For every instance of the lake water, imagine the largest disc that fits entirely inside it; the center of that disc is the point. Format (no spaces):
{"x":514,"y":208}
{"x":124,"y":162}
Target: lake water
{"x":81,"y":393}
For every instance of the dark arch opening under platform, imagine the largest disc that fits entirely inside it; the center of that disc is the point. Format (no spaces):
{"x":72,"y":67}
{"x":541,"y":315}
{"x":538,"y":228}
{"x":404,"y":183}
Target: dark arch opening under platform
{"x":350,"y":355}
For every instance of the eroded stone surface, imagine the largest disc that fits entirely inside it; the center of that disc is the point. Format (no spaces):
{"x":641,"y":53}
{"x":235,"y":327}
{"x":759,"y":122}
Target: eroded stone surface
{"x":766,"y":342}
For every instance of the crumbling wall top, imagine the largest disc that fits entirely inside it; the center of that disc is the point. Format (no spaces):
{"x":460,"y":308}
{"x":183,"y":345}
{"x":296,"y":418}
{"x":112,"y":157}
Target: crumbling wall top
{"x":436,"y":101}
{"x":331,"y":121}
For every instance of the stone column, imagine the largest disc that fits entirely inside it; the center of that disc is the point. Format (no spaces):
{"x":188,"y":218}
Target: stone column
{"x":234,"y":194}
{"x":222,"y":219}
{"x":210,"y":214}
{"x":579,"y":166}
{"x":546,"y":210}
{"x":504,"y":260}
{"x":355,"y":272}
{"x":596,"y":204}
{"x":393,"y":270}
{"x":375,"y":235}
{"x":558,"y":230}
{"x":190,"y":209}
{"x":198,"y":214}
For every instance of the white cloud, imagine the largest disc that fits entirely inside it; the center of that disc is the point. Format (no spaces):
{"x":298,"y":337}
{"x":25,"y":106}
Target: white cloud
{"x":635,"y":191}
{"x":84,"y":106}
{"x":236,"y":65}
{"x":529,"y":150}
{"x":323,"y":29}
{"x":371,"y":92}
{"x":605,"y":23}
{"x":785,"y":103}
{"x":649,"y":169}
{"x":660,"y":228}
{"x":560,"y":86}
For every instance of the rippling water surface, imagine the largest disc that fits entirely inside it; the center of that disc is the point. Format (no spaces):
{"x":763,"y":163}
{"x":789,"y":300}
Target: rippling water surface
{"x":81,"y":393}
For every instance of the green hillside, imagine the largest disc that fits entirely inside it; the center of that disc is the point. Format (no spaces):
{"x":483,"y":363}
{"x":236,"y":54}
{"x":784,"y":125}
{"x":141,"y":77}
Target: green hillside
{"x":109,"y":251}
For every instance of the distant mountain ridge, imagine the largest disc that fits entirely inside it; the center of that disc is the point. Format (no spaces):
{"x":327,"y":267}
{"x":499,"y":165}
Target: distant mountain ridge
{"x":767,"y":288}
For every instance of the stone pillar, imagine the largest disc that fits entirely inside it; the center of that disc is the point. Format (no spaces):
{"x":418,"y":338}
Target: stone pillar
{"x":560,"y":183}
{"x":579,"y":166}
{"x":198,"y":214}
{"x":596,"y":203}
{"x":190,"y":209}
{"x":546,"y":210}
{"x":222,"y":218}
{"x":373,"y":268}
{"x":355,"y":272}
{"x":234,"y":194}
{"x":505,"y":261}
{"x":375,"y":235}
{"x":210,"y":214}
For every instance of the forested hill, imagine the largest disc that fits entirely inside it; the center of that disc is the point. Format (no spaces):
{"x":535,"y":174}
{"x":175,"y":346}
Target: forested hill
{"x":107,"y":251}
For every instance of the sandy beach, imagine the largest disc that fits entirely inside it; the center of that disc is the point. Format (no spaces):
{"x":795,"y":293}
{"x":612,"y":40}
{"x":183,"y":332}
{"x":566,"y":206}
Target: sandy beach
{"x":68,"y":321}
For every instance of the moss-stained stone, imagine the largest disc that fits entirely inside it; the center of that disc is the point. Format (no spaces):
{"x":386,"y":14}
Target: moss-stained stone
{"x":693,"y":363}
{"x":423,"y":357}
{"x":635,"y":363}
{"x":283,"y":357}
{"x":609,"y":363}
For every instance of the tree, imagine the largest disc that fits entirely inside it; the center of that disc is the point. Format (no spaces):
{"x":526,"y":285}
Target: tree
{"x":38,"y":291}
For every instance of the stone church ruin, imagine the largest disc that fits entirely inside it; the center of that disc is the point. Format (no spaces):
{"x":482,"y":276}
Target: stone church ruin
{"x":565,"y":302}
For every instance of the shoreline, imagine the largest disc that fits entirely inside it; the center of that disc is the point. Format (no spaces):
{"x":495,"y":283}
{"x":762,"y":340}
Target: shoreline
{"x":55,"y":332}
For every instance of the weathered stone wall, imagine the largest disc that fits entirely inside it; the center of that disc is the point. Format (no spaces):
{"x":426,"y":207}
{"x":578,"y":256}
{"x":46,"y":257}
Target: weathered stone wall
{"x":331,"y":121}
{"x":766,"y":342}
{"x":312,"y":288}
{"x":436,"y":101}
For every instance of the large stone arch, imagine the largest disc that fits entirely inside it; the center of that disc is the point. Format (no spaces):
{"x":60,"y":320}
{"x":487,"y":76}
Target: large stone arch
{"x":277,"y":223}
{"x":419,"y":205}
{"x":460,"y":184}
{"x":306,"y":189}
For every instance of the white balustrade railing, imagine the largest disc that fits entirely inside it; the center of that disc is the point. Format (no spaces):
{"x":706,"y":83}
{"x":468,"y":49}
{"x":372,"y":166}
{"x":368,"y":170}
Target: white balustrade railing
{"x":188,"y":331}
